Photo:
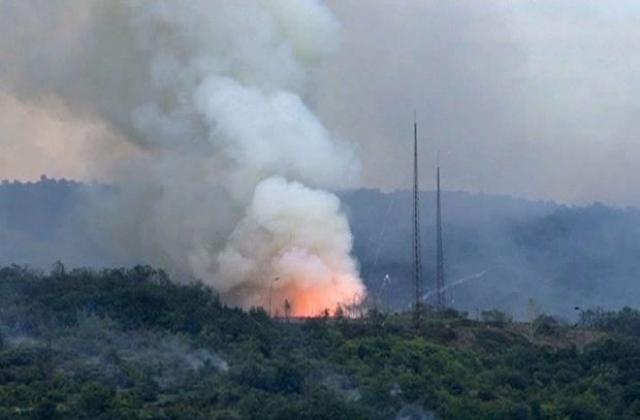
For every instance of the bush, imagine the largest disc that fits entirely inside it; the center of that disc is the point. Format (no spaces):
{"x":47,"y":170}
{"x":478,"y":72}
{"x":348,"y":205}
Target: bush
{"x":546,"y":325}
{"x":495,"y":317}
{"x":88,"y":335}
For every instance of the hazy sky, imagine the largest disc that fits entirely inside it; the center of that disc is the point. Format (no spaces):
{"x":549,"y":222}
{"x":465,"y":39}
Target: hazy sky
{"x":535,"y":99}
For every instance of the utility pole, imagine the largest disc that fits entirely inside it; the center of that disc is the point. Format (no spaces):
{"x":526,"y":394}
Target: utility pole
{"x":384,"y":293}
{"x":441,"y":300}
{"x":417,"y":267}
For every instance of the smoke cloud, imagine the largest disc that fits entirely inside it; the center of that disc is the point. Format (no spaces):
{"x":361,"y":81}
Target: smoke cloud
{"x":227,"y":165}
{"x":299,"y":238}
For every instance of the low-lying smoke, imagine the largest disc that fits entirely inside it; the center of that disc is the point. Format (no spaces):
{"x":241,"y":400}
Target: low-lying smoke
{"x":225,"y":183}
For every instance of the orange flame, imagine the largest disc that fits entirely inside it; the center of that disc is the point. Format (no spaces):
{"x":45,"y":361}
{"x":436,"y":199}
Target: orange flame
{"x":313,"y":299}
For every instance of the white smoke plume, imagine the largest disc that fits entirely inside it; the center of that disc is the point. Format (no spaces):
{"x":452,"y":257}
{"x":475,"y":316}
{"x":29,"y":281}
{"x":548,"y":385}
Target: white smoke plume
{"x":227,"y":177}
{"x":299,"y":238}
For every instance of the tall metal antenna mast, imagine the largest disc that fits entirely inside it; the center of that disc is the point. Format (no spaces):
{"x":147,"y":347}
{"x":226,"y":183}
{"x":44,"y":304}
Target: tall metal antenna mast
{"x":417,"y":268}
{"x":441,"y":300}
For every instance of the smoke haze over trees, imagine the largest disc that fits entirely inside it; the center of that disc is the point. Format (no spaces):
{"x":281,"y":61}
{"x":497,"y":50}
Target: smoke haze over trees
{"x":527,"y":257}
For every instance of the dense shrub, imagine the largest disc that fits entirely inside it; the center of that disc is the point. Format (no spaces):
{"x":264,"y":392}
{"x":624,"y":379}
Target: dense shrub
{"x":129,"y":343}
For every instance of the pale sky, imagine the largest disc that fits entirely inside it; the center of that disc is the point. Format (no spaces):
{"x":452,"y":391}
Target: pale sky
{"x":535,"y":99}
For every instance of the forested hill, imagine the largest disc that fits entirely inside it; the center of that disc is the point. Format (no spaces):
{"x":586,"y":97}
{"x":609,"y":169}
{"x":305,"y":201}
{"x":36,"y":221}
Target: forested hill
{"x":49,"y":220}
{"x":132,"y":344}
{"x":521,"y":256}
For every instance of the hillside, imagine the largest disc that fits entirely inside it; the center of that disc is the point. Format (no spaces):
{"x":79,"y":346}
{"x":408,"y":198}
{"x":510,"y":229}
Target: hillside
{"x":127,"y":344}
{"x":524,"y":257}
{"x":520,"y":256}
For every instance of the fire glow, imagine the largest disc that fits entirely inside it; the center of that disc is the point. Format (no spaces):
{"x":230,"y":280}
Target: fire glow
{"x":311,"y":299}
{"x":293,"y":244}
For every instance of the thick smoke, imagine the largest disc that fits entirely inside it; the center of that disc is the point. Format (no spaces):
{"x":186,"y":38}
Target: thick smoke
{"x":224,"y":182}
{"x":300,"y":239}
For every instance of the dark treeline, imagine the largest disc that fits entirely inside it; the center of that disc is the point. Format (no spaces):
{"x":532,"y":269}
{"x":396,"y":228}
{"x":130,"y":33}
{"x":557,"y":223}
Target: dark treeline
{"x":130,"y":343}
